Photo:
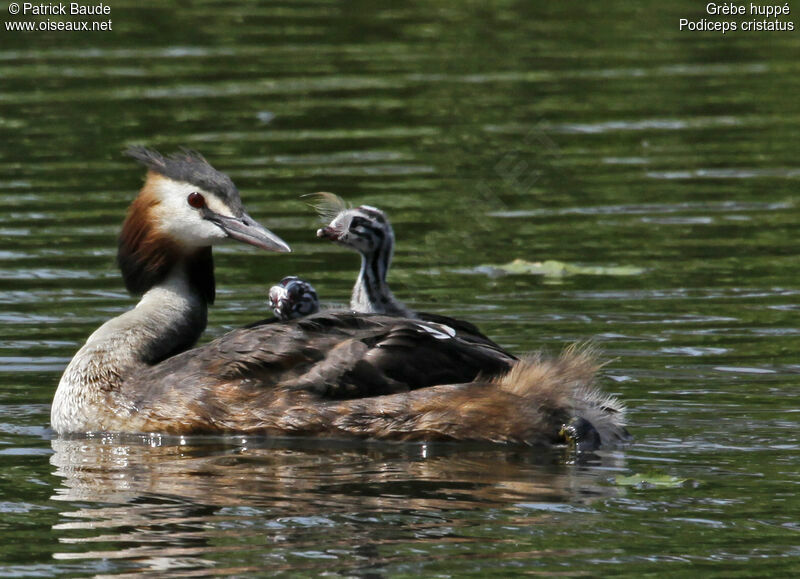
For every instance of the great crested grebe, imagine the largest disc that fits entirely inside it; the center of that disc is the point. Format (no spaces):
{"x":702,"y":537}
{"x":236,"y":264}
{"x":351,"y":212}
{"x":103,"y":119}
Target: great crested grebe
{"x":328,"y":374}
{"x":367,"y":230}
{"x":293,"y":298}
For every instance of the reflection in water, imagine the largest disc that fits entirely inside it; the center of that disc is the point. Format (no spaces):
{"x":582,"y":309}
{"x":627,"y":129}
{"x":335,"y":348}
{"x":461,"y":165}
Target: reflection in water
{"x":154,"y":503}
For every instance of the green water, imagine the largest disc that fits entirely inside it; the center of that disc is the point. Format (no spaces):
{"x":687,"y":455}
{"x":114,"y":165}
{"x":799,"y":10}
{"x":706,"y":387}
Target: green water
{"x":597,"y":135}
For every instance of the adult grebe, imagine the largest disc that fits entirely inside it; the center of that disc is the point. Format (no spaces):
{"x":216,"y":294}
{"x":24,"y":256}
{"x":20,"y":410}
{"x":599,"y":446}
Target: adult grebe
{"x":329,"y":374}
{"x":184,"y":207}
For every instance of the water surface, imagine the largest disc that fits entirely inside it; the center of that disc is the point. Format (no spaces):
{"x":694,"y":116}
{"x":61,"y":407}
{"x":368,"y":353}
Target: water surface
{"x":596,"y":136}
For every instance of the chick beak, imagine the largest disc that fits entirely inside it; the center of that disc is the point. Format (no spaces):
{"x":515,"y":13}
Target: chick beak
{"x":327,"y":232}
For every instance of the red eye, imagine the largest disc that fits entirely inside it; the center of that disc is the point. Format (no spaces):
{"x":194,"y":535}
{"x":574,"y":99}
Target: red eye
{"x":196,"y":200}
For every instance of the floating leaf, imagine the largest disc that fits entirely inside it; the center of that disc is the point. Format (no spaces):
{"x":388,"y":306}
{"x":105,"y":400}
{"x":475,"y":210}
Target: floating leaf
{"x":552,"y":268}
{"x":650,"y":481}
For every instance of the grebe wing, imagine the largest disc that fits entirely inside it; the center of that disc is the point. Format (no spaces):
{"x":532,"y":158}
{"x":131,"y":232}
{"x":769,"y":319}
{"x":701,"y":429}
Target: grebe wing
{"x":333,"y":355}
{"x":465,"y":330}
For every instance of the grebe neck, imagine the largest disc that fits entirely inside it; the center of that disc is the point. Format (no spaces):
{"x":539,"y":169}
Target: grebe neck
{"x":168,"y":319}
{"x":371,"y":294}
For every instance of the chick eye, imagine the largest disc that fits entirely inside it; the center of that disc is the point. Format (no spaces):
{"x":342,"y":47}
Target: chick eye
{"x":196,"y":200}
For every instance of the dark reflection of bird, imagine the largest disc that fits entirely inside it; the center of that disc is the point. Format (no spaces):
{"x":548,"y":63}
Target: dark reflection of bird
{"x":329,"y":374}
{"x":169,"y":506}
{"x":292,"y":474}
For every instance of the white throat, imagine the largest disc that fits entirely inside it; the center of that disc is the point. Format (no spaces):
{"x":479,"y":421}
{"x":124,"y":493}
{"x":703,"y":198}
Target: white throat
{"x":371,"y":293}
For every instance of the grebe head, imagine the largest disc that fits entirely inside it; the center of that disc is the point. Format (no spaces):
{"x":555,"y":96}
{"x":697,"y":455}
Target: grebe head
{"x":194,"y":205}
{"x":293,"y":298}
{"x":185,"y":207}
{"x":364,"y":229}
